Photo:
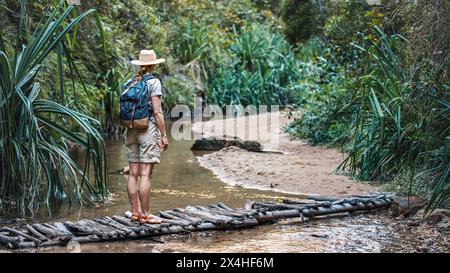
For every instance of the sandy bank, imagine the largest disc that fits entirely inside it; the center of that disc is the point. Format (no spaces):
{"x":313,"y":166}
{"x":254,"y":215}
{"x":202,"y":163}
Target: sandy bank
{"x":299,"y":168}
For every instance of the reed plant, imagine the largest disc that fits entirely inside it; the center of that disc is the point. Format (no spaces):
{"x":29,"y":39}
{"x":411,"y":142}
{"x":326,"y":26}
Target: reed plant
{"x":34,"y":136}
{"x":397,"y":125}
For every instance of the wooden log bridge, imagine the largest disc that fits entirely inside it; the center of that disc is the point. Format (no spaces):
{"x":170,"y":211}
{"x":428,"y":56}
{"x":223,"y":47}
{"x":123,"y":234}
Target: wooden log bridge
{"x":192,"y":218}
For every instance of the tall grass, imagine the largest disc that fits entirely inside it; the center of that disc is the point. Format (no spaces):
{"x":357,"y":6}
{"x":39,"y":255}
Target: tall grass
{"x":34,"y":160}
{"x":113,"y":83}
{"x":397,"y":126}
{"x":248,"y":65}
{"x":263,"y":70}
{"x":194,"y":42}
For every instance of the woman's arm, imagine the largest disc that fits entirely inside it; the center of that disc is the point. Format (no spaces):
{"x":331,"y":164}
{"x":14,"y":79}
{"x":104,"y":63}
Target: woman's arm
{"x":159,"y":118}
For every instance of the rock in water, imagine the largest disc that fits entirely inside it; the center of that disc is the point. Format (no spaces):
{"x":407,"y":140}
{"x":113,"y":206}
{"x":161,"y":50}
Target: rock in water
{"x":125,"y":170}
{"x":404,"y":206}
{"x":216,"y":144}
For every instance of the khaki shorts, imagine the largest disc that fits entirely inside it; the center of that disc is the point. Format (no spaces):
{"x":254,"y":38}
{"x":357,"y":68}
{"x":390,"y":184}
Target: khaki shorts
{"x":143,"y":145}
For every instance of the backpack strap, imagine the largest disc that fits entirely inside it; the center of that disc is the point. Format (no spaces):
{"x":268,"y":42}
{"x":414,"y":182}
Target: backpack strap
{"x":147,"y":77}
{"x":132,"y":83}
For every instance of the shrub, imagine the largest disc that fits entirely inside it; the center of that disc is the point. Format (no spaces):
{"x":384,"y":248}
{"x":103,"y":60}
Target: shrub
{"x":33,"y":135}
{"x":300,"y":18}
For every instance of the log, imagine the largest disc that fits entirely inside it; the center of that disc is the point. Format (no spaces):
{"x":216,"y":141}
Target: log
{"x":118,"y":224}
{"x":138,"y":228}
{"x":20,"y":233}
{"x":77,"y":228}
{"x":87,"y":239}
{"x":127,"y":222}
{"x":248,"y":211}
{"x":27,"y":244}
{"x":124,"y":221}
{"x":154,"y":229}
{"x":9,"y":241}
{"x":215,"y":206}
{"x":193,"y":218}
{"x":205,"y":216}
{"x":180,"y":213}
{"x":322,"y":198}
{"x":225,"y":207}
{"x":168,"y":216}
{"x":119,"y":232}
{"x":60,"y":226}
{"x":296,"y":202}
{"x":222,"y":212}
{"x":264,"y":217}
{"x":276,"y":206}
{"x":285,"y":214}
{"x":241,"y":212}
{"x":223,"y":218}
{"x":59,"y":234}
{"x":36,"y":233}
{"x":248,"y":222}
{"x":182,"y":223}
{"x":122,"y":231}
{"x":202,"y":227}
{"x":50,"y":233}
{"x":57,"y":231}
{"x":106,"y":231}
{"x":214,"y":213}
{"x":84,"y":228}
{"x":175,"y":229}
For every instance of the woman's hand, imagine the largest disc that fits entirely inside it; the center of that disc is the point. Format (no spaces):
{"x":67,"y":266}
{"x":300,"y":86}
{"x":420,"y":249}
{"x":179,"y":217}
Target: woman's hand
{"x":164,"y":143}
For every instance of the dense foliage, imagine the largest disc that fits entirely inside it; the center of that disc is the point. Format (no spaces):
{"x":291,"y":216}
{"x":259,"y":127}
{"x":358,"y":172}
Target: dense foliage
{"x":388,"y":102}
{"x":34,"y":139}
{"x":301,"y":18}
{"x":370,"y":79}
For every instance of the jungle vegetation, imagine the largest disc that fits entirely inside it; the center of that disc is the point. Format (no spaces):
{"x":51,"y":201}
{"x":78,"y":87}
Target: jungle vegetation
{"x":370,"y":79}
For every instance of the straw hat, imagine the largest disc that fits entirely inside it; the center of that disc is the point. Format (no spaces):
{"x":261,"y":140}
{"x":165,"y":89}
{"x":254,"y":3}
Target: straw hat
{"x":147,"y":57}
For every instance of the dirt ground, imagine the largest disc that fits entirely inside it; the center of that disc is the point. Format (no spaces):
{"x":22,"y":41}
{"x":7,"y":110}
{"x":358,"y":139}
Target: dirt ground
{"x":290,"y":166}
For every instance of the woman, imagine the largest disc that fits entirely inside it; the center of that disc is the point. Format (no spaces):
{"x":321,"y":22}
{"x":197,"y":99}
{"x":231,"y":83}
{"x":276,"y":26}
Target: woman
{"x":144,"y":145}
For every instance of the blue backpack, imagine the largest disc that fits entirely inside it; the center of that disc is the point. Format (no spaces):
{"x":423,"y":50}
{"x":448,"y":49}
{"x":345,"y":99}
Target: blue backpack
{"x":135,"y":104}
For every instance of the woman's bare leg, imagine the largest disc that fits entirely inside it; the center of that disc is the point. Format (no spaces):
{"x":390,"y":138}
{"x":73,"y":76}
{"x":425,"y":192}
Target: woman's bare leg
{"x":133,"y":187}
{"x":146,"y":170}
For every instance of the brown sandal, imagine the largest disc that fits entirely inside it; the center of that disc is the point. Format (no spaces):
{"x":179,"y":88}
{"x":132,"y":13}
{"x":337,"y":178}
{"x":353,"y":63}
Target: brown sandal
{"x":135,"y":217}
{"x":149,"y":219}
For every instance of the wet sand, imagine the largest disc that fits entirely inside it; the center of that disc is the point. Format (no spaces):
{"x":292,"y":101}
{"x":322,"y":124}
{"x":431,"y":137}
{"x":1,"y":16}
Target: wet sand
{"x":292,"y":166}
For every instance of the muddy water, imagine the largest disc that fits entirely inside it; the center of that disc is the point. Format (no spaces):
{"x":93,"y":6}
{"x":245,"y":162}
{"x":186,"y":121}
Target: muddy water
{"x":177,"y":182}
{"x":180,"y":181}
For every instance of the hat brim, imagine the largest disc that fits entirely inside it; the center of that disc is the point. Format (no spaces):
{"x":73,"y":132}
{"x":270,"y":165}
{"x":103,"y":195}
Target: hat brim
{"x":138,"y":62}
